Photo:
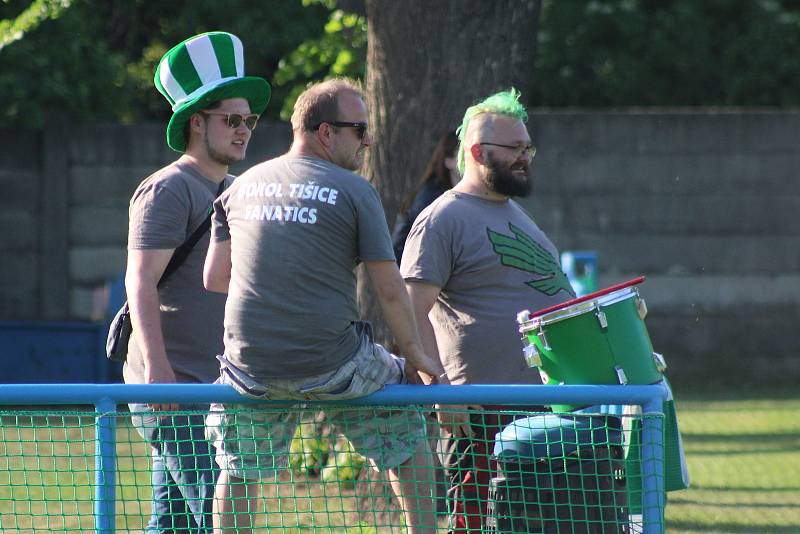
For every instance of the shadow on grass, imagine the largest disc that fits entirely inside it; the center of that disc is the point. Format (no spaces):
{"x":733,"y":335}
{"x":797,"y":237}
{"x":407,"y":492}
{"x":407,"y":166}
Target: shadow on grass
{"x":742,"y":444}
{"x":759,"y":437}
{"x":776,"y":506}
{"x":758,"y":489}
{"x":722,"y":406}
{"x":711,"y":391}
{"x":732,"y":528}
{"x":756,"y":450}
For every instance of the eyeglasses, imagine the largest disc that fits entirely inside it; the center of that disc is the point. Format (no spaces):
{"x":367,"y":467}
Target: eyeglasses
{"x":361,"y":127}
{"x":235,"y":119}
{"x":518,"y":149}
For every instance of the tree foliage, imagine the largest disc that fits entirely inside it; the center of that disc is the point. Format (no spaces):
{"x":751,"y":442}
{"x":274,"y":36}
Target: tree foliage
{"x":96,"y":59}
{"x":668,"y":53}
{"x":39,"y":10}
{"x":339,"y":51}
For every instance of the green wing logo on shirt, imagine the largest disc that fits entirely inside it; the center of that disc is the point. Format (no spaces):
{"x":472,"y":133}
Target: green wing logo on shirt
{"x":522,"y":252}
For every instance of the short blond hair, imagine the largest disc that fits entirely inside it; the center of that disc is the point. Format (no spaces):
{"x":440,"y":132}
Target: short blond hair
{"x":320,"y":102}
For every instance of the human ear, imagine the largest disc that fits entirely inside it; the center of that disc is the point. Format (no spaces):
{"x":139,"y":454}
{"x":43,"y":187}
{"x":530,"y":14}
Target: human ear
{"x":195,"y":121}
{"x":324,"y":133}
{"x":477,"y":153}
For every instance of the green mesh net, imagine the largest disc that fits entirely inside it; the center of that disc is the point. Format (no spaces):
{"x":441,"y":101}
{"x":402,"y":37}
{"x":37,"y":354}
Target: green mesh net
{"x":519,"y":470}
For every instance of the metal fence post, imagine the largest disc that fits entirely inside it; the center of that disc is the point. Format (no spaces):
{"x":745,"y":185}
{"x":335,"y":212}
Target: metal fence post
{"x":653,"y":499}
{"x":105,"y":456}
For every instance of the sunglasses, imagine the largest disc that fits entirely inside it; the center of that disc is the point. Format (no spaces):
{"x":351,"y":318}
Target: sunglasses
{"x":235,"y":119}
{"x":361,"y":127}
{"x":530,"y":150}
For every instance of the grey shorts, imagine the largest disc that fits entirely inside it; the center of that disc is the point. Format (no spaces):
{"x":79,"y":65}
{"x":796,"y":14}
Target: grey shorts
{"x":253,"y":440}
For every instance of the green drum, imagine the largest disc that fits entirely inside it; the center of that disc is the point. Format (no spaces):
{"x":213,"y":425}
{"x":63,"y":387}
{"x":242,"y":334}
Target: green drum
{"x":600,"y":338}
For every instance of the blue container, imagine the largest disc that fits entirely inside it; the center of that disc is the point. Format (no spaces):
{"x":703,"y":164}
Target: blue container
{"x":580,"y":266}
{"x":43,"y":352}
{"x":559,"y":473}
{"x":551,"y":436}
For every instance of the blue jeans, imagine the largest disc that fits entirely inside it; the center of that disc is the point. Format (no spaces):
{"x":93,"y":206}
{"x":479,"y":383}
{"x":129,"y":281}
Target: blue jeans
{"x":184,"y":472}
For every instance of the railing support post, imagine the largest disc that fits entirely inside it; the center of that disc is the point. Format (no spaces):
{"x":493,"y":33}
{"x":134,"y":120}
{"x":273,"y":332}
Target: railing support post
{"x":653,"y":500}
{"x":105,"y":456}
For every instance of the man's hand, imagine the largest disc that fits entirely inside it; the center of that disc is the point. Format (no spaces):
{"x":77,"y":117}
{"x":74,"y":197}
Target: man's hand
{"x":454,"y":419}
{"x":419,"y":376}
{"x":145,"y":268}
{"x":159,"y":372}
{"x":430,"y":371}
{"x":413,"y":376}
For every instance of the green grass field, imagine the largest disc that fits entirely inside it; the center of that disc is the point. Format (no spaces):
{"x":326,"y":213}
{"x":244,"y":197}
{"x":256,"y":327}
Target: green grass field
{"x":744,"y":462}
{"x":743,"y":456}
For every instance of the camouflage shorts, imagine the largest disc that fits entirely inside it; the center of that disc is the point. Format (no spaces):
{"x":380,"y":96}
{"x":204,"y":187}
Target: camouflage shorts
{"x":253,"y":440}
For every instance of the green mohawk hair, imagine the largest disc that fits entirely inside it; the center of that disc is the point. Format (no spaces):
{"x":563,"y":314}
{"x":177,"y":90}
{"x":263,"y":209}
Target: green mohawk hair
{"x":503,"y":103}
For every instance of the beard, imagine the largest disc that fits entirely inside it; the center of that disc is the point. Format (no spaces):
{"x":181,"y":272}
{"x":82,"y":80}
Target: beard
{"x":502,"y":180}
{"x":220,"y":157}
{"x":351,"y":164}
{"x":350,"y":161}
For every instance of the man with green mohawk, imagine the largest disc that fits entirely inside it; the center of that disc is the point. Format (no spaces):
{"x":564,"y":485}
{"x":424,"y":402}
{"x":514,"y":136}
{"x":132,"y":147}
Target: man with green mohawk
{"x":473,"y":259}
{"x":177,"y":324}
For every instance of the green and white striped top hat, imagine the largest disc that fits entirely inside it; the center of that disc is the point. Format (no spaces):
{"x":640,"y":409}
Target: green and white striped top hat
{"x":201,"y":70}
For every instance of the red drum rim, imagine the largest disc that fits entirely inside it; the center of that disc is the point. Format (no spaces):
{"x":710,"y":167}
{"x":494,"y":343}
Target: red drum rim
{"x":585,"y":298}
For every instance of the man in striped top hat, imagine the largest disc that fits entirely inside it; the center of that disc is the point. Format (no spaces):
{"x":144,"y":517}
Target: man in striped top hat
{"x":177,"y":324}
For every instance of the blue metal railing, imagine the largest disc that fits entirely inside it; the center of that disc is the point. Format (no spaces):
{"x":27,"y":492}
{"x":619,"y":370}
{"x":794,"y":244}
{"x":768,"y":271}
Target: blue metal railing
{"x":106,"y":397}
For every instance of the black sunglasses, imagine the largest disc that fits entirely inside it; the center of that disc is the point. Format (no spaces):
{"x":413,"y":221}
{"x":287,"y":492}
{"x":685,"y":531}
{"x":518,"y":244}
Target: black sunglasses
{"x":518,"y":149}
{"x":235,"y":119}
{"x":361,"y":127}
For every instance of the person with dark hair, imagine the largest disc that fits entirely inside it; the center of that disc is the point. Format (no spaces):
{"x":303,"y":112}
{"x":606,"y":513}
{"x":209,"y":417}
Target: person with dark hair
{"x":177,"y":324}
{"x":440,"y":175}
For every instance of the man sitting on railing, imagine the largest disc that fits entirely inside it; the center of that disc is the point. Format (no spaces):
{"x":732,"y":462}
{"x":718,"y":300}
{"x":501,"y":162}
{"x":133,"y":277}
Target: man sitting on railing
{"x":286,"y":239}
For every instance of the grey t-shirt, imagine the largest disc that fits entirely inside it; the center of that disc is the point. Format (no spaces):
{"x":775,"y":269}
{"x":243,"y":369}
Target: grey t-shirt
{"x":298,"y":227}
{"x":491,"y":261}
{"x":164,"y":211}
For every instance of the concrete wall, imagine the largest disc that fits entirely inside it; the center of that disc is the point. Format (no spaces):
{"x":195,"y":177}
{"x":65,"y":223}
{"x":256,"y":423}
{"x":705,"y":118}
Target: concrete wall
{"x":20,"y":225}
{"x":64,"y":227}
{"x":704,"y":204}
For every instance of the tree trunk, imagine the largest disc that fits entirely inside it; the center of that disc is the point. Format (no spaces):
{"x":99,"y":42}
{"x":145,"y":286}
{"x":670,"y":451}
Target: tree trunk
{"x":427,"y":61}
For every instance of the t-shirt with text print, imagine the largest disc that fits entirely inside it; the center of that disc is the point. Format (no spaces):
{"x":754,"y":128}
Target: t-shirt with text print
{"x":298,"y":228}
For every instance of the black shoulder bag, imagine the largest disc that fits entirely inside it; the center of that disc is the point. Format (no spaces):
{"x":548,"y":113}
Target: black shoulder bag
{"x":120,"y":329}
